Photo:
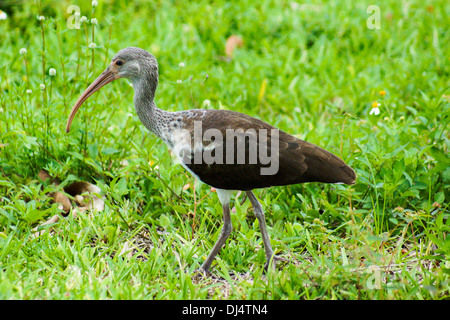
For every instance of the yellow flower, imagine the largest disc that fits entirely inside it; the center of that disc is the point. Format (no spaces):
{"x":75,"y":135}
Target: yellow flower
{"x":382,"y":93}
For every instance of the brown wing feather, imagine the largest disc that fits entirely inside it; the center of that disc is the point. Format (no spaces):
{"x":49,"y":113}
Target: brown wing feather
{"x":299,"y":161}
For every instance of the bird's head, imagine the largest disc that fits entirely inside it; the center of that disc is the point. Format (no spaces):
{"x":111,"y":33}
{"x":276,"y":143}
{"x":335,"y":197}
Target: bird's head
{"x":133,"y":63}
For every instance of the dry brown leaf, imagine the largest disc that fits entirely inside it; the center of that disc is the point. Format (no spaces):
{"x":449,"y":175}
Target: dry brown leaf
{"x":85,"y":194}
{"x":37,"y":232}
{"x":61,"y":198}
{"x":232,"y":43}
{"x":58,"y":196}
{"x":44,"y":175}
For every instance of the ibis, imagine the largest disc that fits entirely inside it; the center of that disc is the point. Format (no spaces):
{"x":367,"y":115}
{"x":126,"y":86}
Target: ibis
{"x":225,"y":149}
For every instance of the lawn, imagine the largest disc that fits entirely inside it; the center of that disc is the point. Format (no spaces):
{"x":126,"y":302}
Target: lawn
{"x":370,"y":84}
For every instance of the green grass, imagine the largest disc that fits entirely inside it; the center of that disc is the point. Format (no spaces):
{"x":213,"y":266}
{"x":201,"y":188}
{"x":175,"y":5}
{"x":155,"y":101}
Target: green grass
{"x":384,"y":238}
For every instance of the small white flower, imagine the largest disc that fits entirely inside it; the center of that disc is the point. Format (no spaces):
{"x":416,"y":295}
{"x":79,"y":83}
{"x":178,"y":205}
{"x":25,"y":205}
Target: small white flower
{"x":42,"y":86}
{"x":83,"y":19}
{"x":94,"y":3}
{"x":206,"y":103}
{"x":181,"y":65}
{"x":3,"y":15}
{"x":186,"y":27}
{"x":295,"y":6}
{"x":52,"y":72}
{"x":94,"y":21}
{"x":23,"y":51}
{"x":375,"y":109}
{"x":29,"y":91}
{"x":92,"y":45}
{"x":179,"y":81}
{"x":41,"y":18}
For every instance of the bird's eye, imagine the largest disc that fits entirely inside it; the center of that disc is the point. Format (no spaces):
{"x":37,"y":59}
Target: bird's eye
{"x":119,"y":62}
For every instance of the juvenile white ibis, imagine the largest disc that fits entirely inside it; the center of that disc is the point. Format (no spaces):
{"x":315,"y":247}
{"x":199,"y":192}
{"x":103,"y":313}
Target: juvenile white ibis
{"x":225,"y":149}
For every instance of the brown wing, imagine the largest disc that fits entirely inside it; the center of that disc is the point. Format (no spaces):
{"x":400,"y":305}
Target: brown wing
{"x":281,"y":159}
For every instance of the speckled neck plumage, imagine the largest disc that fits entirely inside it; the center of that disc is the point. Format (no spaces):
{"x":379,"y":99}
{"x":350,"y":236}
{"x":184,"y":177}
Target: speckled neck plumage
{"x":154,"y":119}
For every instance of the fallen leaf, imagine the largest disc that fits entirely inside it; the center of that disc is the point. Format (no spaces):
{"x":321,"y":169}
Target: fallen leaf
{"x":231,"y":44}
{"x":85,"y":193}
{"x":58,"y":196}
{"x":37,"y":232}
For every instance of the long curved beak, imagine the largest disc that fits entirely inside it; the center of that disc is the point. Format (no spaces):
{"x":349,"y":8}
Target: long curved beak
{"x":107,"y":76}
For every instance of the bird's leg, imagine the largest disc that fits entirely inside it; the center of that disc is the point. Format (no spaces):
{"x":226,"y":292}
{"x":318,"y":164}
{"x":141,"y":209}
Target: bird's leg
{"x":259,"y":213}
{"x":226,"y":231}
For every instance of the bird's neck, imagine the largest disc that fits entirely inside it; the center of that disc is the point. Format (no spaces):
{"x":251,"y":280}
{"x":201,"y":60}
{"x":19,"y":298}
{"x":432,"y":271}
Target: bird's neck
{"x":153,"y":118}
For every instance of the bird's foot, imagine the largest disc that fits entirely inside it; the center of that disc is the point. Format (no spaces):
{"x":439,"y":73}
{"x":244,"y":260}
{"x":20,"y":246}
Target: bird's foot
{"x":272,"y":261}
{"x":201,"y":273}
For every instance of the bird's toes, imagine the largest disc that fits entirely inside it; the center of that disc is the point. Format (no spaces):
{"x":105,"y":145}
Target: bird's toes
{"x":278,"y":258}
{"x":272,"y":261}
{"x":201,"y":273}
